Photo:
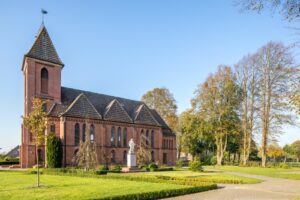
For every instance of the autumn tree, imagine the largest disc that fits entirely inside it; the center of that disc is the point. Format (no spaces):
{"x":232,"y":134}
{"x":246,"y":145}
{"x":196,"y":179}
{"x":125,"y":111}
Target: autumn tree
{"x":274,"y":151}
{"x":290,"y":9}
{"x":248,"y":79}
{"x":86,"y":156}
{"x":35,"y":122}
{"x":278,"y":73}
{"x":162,"y":100}
{"x":216,"y":103}
{"x":143,"y":154}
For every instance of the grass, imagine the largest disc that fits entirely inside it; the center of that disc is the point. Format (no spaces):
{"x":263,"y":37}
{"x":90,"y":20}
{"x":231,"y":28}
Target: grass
{"x":196,"y":176}
{"x":292,"y":173}
{"x":18,"y":185}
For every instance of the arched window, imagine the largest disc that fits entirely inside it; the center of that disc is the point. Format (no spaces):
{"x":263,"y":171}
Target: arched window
{"x":83,"y":132}
{"x":152,"y":138}
{"x":92,"y":133}
{"x":119,"y":137}
{"x":52,"y":128}
{"x":112,"y":138}
{"x":44,"y":81}
{"x":147,"y":137}
{"x":125,"y":137}
{"x":124,"y":156}
{"x":77,"y":134}
{"x":113,"y":156}
{"x":142,"y":138}
{"x":152,"y":156}
{"x":40,"y":155}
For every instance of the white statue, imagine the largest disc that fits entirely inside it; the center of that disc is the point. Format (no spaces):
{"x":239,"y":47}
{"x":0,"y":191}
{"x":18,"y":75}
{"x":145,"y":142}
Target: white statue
{"x":131,"y":146}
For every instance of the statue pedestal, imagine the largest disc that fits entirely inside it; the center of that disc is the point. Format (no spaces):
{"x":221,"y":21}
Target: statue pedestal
{"x":131,"y":160}
{"x":131,"y":164}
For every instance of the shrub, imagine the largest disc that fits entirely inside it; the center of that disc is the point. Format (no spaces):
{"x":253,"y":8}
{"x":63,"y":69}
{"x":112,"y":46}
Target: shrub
{"x":115,"y":168}
{"x":153,"y":167}
{"x":179,"y":163}
{"x":103,"y":168}
{"x":54,"y":151}
{"x":195,"y":165}
{"x":162,"y":169}
{"x":101,"y":172}
{"x":213,"y":160}
{"x":284,"y":166}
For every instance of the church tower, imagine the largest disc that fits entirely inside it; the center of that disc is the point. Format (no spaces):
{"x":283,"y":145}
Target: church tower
{"x":42,"y":78}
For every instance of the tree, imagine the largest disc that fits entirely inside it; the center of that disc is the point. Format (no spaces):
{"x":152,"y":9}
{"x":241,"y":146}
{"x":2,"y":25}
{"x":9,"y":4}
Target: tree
{"x":248,"y":78}
{"x":295,"y":149}
{"x":35,"y":122}
{"x":162,"y":100}
{"x":278,"y":74}
{"x":143,"y":154}
{"x":216,"y":103}
{"x":86,"y":156}
{"x":290,"y":9}
{"x":54,"y":151}
{"x":274,"y":151}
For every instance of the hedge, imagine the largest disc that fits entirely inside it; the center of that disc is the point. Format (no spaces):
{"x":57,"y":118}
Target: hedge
{"x":161,"y":194}
{"x":9,"y":162}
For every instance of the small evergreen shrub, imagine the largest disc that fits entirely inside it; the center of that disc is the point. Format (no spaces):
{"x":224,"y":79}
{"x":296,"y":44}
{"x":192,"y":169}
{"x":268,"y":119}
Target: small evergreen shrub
{"x":101,"y":172}
{"x":53,"y":151}
{"x":195,"y":165}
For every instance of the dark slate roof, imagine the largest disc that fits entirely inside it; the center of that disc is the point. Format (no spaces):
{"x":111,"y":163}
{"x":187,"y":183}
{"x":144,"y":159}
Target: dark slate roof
{"x":43,"y":48}
{"x":82,"y":107}
{"x":144,"y":116}
{"x":108,"y":107}
{"x":115,"y":112}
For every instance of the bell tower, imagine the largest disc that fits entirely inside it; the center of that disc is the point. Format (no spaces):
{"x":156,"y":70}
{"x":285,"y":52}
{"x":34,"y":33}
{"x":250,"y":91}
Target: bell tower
{"x":42,"y":78}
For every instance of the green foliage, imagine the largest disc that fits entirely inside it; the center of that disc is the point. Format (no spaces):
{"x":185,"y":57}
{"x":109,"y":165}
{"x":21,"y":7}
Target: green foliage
{"x":195,"y":165}
{"x":101,"y":172}
{"x":53,"y":151}
{"x":284,"y":166}
{"x":179,"y":163}
{"x":153,"y":166}
{"x":162,"y":194}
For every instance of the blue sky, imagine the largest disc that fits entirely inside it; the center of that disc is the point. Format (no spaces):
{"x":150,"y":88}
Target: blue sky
{"x":125,"y":48}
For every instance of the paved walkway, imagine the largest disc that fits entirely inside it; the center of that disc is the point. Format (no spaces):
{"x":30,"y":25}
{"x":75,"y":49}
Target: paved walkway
{"x":270,"y":189}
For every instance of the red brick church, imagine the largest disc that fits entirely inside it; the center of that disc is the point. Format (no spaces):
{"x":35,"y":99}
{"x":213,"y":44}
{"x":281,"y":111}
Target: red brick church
{"x":74,"y":115}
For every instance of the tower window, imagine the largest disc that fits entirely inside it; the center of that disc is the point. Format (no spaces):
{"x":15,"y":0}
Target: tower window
{"x":44,"y":81}
{"x":112,"y":138}
{"x":125,"y":137}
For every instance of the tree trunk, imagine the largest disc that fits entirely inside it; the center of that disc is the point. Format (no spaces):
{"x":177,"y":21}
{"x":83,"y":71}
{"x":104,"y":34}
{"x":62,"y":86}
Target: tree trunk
{"x":38,"y":167}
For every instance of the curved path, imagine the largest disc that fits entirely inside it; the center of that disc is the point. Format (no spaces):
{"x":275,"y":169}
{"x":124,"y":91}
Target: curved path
{"x":269,"y":189}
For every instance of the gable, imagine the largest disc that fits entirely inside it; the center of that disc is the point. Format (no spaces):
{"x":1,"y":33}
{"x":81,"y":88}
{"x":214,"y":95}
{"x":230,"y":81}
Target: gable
{"x":82,"y":107}
{"x":144,"y":116}
{"x":116,"y":112}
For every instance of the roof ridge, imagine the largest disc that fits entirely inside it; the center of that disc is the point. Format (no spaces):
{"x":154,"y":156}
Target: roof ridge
{"x":115,"y":97}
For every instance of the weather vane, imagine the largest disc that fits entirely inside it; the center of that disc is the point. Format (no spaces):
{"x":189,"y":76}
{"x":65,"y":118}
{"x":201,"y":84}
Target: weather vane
{"x":44,"y":12}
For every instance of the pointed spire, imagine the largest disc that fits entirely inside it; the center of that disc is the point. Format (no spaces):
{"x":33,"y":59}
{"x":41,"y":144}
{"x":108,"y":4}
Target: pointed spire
{"x":43,"y":48}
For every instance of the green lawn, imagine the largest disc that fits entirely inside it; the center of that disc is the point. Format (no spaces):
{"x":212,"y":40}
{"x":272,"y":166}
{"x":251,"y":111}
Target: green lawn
{"x":197,"y":176}
{"x":19,"y":185}
{"x":293,"y":173}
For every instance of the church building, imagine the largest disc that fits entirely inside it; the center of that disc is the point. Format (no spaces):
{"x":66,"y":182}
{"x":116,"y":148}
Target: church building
{"x":73,"y":115}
